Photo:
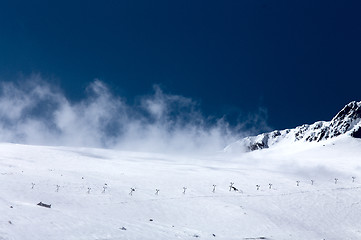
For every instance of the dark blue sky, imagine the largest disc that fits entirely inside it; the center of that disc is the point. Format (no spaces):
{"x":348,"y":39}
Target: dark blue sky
{"x":300,"y":59}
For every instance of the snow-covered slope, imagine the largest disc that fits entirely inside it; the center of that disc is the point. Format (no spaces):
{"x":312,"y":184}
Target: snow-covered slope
{"x":347,"y":121}
{"x":89,"y":193}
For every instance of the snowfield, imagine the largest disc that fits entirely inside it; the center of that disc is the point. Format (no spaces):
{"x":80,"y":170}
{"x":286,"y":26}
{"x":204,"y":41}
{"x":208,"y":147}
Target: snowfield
{"x":89,"y":192}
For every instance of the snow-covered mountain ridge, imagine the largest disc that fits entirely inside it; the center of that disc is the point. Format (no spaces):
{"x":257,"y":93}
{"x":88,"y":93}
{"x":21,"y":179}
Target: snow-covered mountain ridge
{"x":292,"y":191}
{"x":347,"y":121}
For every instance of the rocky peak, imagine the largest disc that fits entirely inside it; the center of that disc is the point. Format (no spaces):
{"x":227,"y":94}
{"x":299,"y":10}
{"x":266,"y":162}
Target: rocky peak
{"x":346,"y":121}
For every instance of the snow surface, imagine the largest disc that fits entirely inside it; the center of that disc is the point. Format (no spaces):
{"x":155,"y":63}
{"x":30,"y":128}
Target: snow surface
{"x":324,"y":210}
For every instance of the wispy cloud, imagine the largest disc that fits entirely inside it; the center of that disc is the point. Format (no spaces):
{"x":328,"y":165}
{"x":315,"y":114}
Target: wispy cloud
{"x":33,"y":111}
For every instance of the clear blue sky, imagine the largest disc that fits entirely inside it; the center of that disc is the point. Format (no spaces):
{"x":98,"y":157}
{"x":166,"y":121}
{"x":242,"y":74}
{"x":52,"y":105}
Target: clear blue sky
{"x":299,"y":59}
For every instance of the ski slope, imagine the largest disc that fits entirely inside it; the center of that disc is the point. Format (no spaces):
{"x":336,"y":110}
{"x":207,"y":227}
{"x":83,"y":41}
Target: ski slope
{"x":324,"y":210}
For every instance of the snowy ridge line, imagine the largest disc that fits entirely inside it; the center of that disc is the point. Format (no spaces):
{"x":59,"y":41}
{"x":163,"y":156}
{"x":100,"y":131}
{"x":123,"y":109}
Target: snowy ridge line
{"x":347,"y":121}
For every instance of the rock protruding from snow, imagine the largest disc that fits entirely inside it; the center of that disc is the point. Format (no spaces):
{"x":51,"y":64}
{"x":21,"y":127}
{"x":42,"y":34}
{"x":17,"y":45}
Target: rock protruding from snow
{"x":348,"y":118}
{"x":346,"y":121}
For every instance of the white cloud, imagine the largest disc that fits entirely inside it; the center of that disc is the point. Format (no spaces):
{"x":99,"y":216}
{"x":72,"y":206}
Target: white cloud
{"x":35,"y":112}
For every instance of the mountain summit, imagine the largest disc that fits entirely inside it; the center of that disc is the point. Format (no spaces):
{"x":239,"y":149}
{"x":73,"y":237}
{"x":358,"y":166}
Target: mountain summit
{"x":346,"y":121}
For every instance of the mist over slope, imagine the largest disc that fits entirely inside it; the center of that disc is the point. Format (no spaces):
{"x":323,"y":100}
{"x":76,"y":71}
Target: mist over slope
{"x":33,"y":111}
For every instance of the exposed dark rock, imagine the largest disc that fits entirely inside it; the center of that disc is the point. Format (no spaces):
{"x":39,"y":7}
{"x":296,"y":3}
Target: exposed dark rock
{"x":356,"y":133}
{"x":257,"y":146}
{"x":275,"y":134}
{"x":44,"y":205}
